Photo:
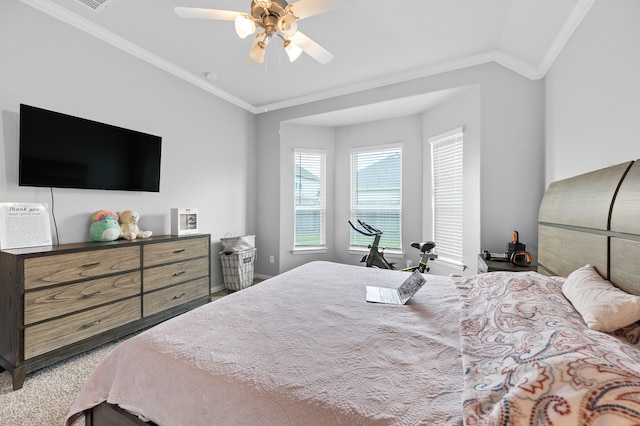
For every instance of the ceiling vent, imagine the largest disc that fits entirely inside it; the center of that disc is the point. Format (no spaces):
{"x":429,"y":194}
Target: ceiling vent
{"x":97,"y":5}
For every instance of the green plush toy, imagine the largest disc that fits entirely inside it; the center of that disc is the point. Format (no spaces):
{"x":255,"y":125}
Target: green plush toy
{"x":104,"y":226}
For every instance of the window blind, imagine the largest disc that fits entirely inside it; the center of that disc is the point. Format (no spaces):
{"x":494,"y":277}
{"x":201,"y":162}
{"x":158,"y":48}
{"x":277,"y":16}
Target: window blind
{"x":310,"y":199}
{"x":376,"y":194}
{"x":447,"y":179}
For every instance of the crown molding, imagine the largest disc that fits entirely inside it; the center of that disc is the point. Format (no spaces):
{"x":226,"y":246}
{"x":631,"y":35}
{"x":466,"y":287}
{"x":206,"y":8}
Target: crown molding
{"x":526,"y":70}
{"x":498,"y":57}
{"x":70,"y":18}
{"x":574,"y":20}
{"x":578,"y":13}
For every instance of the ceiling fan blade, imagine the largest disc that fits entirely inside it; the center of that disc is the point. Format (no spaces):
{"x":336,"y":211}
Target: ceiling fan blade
{"x":200,"y":13}
{"x":312,"y":48}
{"x":305,"y":8}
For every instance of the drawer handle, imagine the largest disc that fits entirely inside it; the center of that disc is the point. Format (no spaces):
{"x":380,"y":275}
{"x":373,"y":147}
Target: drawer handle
{"x":178,"y":296}
{"x":90,"y":295}
{"x":90,"y":265}
{"x":177,"y":274}
{"x":180,"y":250}
{"x":89,"y":324}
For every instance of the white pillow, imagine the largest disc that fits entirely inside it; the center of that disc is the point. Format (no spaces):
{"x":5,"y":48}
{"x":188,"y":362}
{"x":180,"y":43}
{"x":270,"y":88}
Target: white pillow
{"x":603,"y":306}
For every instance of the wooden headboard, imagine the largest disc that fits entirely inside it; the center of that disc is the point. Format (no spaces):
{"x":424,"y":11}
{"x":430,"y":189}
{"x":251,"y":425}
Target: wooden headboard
{"x":593,"y":219}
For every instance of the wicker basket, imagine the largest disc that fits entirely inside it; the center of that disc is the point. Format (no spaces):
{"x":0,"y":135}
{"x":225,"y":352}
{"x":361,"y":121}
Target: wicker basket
{"x":237,"y":269}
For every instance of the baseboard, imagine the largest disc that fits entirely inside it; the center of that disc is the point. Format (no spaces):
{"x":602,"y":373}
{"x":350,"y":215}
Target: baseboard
{"x":222,"y":287}
{"x":217,"y":288}
{"x":262,"y":277}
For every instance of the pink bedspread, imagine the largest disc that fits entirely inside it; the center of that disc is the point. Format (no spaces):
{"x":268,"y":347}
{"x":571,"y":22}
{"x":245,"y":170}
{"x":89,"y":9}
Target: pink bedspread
{"x":529,"y":358}
{"x":303,"y":348}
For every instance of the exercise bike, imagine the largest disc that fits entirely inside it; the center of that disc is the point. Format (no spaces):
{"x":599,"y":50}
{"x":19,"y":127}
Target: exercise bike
{"x":375,"y":258}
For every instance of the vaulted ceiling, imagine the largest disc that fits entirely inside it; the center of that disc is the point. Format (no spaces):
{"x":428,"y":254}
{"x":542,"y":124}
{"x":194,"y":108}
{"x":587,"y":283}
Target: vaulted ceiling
{"x":374,"y":42}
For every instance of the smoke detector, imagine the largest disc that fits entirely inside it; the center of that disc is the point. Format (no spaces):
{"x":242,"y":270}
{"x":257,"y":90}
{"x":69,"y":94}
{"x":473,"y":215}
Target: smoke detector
{"x":97,"y":5}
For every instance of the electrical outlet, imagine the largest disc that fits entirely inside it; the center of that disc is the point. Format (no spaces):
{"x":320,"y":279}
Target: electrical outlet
{"x":271,"y":259}
{"x":409,"y":263}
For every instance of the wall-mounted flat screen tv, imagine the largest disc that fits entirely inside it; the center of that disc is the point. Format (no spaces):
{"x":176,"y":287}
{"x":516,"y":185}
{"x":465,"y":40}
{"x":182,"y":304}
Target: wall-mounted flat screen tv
{"x":63,"y":151}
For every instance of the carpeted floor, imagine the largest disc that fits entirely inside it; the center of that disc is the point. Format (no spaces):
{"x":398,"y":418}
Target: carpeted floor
{"x":48,"y":393}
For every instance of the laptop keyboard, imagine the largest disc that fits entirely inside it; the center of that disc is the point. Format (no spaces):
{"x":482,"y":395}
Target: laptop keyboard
{"x":388,"y":295}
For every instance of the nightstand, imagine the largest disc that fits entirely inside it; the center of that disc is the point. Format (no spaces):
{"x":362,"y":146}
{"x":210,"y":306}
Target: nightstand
{"x":496,"y":265}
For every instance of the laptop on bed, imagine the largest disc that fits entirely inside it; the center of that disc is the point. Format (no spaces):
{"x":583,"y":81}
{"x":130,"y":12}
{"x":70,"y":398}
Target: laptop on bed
{"x":396,"y":296}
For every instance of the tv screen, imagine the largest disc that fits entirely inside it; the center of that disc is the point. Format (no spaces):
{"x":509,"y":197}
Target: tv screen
{"x":63,"y":151}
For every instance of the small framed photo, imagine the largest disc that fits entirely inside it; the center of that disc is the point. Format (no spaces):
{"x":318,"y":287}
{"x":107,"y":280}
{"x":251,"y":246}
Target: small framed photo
{"x":184,"y":221}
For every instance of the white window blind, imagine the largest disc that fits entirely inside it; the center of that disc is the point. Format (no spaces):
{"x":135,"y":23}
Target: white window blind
{"x":376,"y":194}
{"x":446,"y":158}
{"x":310,"y":199}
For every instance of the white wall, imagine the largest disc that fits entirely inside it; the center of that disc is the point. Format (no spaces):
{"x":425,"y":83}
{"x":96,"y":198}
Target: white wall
{"x":412,"y":132}
{"x":311,"y":137}
{"x":338,"y":142}
{"x":406,"y":131}
{"x":593,"y":92}
{"x":510,"y":157}
{"x":461,"y":111}
{"x":511,"y":160}
{"x":208,"y":159}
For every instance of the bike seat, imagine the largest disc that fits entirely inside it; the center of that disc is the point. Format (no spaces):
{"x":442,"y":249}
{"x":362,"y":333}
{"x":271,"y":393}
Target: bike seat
{"x":424,"y":247}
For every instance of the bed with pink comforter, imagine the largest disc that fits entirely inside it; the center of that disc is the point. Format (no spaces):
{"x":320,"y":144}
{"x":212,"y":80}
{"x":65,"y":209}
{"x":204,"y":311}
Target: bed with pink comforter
{"x":302,"y":348}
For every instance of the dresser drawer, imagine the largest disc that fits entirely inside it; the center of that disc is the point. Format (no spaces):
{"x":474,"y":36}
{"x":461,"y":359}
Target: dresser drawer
{"x":163,"y":276}
{"x":171,"y":297}
{"x":61,"y":268}
{"x":174,"y":251}
{"x":48,"y":303}
{"x":50,"y":335}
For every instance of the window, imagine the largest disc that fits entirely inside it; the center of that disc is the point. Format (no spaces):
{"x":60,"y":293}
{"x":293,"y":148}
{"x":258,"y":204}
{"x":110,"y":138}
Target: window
{"x":376,"y":195}
{"x":310,"y":200}
{"x":446,"y":166}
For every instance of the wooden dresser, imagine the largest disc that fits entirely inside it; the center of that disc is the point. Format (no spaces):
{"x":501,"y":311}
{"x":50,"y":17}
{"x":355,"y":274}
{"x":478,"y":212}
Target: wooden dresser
{"x":58,"y":301}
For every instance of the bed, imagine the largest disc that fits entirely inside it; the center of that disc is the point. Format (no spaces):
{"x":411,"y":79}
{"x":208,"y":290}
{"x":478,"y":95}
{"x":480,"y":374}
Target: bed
{"x":499,"y":348}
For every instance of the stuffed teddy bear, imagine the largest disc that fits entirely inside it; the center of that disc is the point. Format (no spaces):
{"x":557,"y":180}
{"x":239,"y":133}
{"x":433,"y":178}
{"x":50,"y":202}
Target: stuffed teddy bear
{"x":104,"y":226}
{"x":129,"y":226}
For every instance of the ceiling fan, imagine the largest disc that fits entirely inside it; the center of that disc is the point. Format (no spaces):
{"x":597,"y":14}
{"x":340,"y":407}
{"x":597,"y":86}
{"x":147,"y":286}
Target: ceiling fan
{"x":272,"y":18}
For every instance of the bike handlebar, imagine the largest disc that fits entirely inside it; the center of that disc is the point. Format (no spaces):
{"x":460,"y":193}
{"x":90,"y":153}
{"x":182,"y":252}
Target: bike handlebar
{"x":372,"y":232}
{"x":370,"y":228}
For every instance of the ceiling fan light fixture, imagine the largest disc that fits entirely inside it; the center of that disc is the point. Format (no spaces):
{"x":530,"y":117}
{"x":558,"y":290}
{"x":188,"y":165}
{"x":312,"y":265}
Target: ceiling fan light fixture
{"x":258,"y":50}
{"x":288,"y":24}
{"x":269,"y":19}
{"x":265,"y":4}
{"x":292,"y":50}
{"x":245,"y":26}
